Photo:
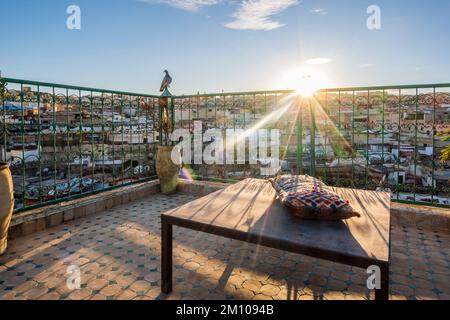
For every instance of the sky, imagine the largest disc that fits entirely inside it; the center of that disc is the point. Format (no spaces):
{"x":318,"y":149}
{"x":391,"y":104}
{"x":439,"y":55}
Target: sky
{"x":225,"y":45}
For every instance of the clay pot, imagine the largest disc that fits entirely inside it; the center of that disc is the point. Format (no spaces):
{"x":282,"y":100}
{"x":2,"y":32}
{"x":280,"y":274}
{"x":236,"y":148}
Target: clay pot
{"x":6,"y":204}
{"x":167,"y":171}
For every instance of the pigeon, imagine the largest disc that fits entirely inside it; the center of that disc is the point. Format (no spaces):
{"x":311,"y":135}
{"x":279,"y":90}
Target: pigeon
{"x":166,"y":81}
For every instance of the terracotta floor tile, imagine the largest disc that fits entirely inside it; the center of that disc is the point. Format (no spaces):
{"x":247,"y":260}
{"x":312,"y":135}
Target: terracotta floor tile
{"x":118,"y":253}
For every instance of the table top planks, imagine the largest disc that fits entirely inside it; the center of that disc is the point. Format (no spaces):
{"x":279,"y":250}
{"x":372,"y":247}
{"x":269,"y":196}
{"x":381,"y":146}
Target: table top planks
{"x":249,"y":211}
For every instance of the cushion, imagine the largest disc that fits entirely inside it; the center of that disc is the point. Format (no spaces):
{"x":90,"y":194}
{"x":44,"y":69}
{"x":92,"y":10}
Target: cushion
{"x":309,"y":198}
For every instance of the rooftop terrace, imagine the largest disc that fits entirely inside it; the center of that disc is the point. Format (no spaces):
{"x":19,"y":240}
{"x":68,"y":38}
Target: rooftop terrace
{"x":83,"y":164}
{"x":118,"y":253}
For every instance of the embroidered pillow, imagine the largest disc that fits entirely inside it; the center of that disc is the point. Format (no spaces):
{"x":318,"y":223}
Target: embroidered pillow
{"x":309,"y":198}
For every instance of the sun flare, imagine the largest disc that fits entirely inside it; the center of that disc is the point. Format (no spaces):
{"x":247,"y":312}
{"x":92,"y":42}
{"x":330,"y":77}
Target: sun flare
{"x":305,"y":81}
{"x":306,"y":86}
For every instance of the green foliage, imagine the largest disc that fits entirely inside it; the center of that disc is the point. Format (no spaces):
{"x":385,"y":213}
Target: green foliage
{"x":445,"y":137}
{"x":2,"y":89}
{"x":339,"y":150}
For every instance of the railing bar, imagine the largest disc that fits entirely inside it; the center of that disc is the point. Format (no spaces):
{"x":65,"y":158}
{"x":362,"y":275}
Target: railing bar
{"x":190,"y":113}
{"x":139,"y":138}
{"x":154,"y":143}
{"x":172,"y":114}
{"x":253,"y":122}
{"x":111,"y":138}
{"x":147,"y":144}
{"x":234,"y":128}
{"x":382,"y":132}
{"x":215,"y":112}
{"x":93,"y":164}
{"x":340,"y":134}
{"x":415,"y":139}
{"x":326,"y":111}
{"x":71,"y":87}
{"x":22,"y":130}
{"x":102,"y":97}
{"x":122,"y":137}
{"x":367,"y":140}
{"x":288,"y":91}
{"x":225,"y":171}
{"x":433,"y":132}
{"x":39,"y":145}
{"x":301,"y":135}
{"x":68,"y":141}
{"x":312,"y":132}
{"x":399,"y":137}
{"x":81,"y":132}
{"x":130,"y":136}
{"x":353,"y":139}
{"x":244,"y":126}
{"x":244,"y":105}
{"x":389,"y":87}
{"x":230,"y":94}
{"x":5,"y":128}
{"x":54,"y":142}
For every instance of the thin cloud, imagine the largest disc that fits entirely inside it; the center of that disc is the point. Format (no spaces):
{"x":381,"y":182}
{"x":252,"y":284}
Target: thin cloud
{"x":316,"y":61}
{"x":188,"y":5}
{"x":257,"y":14}
{"x":365,"y":65}
{"x":319,"y":11}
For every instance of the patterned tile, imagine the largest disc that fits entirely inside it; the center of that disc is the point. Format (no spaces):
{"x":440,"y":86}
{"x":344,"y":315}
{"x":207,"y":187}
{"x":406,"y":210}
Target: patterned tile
{"x":117,"y":255}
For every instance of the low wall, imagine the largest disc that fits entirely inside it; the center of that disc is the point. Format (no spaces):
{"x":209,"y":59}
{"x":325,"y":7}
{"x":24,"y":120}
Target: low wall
{"x":35,"y":220}
{"x":424,"y":217}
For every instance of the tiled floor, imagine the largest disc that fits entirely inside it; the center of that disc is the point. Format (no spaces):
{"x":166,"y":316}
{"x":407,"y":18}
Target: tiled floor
{"x":118,"y":256}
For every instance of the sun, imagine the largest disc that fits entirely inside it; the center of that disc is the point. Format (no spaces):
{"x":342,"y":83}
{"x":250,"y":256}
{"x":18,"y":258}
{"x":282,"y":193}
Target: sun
{"x":305,"y":82}
{"x":306,"y":86}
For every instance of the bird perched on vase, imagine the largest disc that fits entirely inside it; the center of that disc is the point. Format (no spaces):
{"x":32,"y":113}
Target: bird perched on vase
{"x":166,"y":81}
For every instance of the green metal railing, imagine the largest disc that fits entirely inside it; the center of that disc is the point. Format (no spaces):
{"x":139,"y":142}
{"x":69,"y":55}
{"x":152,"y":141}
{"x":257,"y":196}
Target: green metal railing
{"x":65,"y":141}
{"x":377,"y":138}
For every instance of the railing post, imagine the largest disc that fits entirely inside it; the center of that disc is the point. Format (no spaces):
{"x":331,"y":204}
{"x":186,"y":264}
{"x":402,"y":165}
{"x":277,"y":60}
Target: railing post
{"x":4,"y":129}
{"x":172,"y":112}
{"x":166,"y":118}
{"x":313,"y":140}
{"x":299,"y":137}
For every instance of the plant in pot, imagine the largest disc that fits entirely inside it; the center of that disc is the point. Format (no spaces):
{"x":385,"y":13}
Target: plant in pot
{"x":6,"y":188}
{"x":168,"y":158}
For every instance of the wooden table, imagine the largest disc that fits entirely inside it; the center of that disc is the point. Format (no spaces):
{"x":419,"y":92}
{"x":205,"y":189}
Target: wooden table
{"x":248,"y":211}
